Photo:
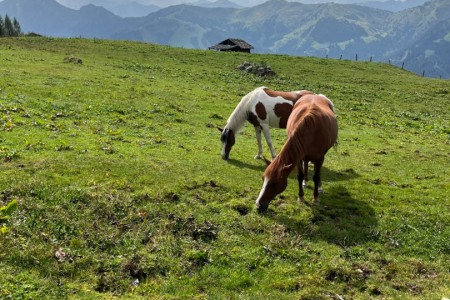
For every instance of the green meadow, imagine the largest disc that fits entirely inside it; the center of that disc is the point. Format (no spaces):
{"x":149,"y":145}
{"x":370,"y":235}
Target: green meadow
{"x":115,"y":163}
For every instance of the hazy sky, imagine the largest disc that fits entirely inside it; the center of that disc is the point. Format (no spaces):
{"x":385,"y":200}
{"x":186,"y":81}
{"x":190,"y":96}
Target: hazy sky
{"x":162,"y":3}
{"x":76,"y":4}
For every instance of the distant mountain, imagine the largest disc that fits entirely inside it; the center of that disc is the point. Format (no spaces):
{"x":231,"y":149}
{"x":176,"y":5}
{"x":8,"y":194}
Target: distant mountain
{"x":40,"y":16}
{"x":167,"y":3}
{"x":218,"y":3}
{"x":316,"y":30}
{"x":393,"y":5}
{"x":132,"y":9}
{"x":48,"y":17}
{"x":419,"y":37}
{"x":182,"y":26}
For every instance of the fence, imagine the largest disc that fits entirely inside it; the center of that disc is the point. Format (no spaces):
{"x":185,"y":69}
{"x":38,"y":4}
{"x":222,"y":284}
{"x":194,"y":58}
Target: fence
{"x":389,"y":61}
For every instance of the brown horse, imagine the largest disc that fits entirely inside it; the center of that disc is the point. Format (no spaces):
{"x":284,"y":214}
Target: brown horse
{"x":312,"y":130}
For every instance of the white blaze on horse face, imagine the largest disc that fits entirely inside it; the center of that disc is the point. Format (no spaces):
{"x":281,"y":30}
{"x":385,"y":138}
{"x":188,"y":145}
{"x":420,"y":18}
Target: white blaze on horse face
{"x":261,"y":193}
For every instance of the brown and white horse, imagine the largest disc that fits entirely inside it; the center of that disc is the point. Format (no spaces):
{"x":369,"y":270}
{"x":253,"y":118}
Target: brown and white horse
{"x":312,"y":130}
{"x":263,"y":108}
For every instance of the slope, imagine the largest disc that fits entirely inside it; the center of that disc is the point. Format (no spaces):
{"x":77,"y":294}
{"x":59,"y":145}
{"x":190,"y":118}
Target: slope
{"x":122,"y":192}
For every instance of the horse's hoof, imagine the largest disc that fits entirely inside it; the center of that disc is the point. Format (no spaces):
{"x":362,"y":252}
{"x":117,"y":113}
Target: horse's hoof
{"x":301,"y":199}
{"x":321,"y":190}
{"x":305,"y":184}
{"x":316,"y":200}
{"x":257,"y":156}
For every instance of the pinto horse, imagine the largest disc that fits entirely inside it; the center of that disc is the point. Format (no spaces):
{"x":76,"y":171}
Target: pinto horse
{"x":312,"y":130}
{"x":263,"y":108}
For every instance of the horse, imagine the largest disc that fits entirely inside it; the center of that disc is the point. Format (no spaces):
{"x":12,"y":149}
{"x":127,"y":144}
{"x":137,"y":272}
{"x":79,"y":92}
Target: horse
{"x":263,"y":108}
{"x":312,"y":130}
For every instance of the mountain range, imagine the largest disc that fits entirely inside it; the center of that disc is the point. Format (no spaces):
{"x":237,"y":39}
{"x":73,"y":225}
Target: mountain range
{"x":418,"y":37}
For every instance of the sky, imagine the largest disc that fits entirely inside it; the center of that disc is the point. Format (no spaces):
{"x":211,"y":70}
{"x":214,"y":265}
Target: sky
{"x":161,"y":3}
{"x":76,"y":4}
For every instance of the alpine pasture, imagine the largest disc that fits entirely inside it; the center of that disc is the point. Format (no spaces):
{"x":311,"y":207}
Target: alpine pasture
{"x":112,"y":152}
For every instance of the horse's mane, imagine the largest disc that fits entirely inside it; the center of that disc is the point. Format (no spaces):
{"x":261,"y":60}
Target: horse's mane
{"x":294,"y":146}
{"x":240,"y":114}
{"x":307,"y":120}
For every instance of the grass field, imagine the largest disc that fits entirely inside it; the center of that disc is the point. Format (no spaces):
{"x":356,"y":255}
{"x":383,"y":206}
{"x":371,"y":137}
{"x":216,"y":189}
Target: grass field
{"x":122,"y":193}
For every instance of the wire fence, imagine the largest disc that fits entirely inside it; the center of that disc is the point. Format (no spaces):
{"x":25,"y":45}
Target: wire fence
{"x":391,"y":62}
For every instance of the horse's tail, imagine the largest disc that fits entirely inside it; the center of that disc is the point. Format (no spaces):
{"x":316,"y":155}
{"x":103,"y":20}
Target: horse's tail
{"x":332,"y":107}
{"x":311,"y":119}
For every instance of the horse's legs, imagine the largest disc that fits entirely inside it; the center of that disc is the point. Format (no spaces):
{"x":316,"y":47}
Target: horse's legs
{"x":316,"y":178}
{"x":269,"y":140}
{"x":305,"y":168}
{"x":300,"y":178}
{"x":258,"y":139}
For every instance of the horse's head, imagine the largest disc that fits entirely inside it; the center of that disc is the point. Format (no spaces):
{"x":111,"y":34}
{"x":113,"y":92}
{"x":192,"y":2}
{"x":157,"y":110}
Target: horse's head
{"x":227,"y":138}
{"x":274,"y":183}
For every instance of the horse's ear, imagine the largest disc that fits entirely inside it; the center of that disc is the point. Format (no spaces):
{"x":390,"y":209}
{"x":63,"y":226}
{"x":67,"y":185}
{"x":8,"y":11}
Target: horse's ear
{"x":288,"y":168}
{"x":220,"y":129}
{"x":268,"y":162}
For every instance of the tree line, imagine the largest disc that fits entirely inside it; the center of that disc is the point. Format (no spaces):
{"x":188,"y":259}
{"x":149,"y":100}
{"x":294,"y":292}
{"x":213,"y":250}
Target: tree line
{"x":9,"y":27}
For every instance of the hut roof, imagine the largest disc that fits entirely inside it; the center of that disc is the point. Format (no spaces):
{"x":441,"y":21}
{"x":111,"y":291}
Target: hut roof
{"x":232,"y":44}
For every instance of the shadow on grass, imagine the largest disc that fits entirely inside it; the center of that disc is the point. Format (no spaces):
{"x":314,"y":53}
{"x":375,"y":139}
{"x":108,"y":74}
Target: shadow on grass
{"x":260,"y":167}
{"x":327,"y":174}
{"x":335,"y":175}
{"x":338,"y":218}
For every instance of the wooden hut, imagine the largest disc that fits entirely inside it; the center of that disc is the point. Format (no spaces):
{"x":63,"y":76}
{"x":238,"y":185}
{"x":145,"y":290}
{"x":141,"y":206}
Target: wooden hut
{"x":236,"y":45}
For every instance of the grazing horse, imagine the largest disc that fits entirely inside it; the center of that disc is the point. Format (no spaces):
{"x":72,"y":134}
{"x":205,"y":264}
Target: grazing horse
{"x":312,"y":130}
{"x":263,"y":108}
